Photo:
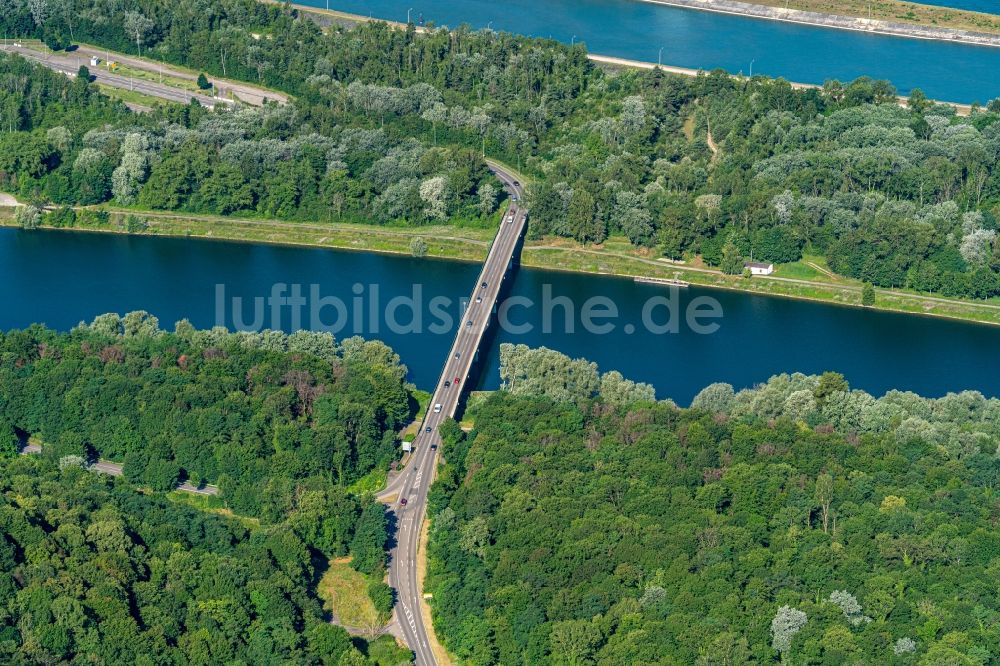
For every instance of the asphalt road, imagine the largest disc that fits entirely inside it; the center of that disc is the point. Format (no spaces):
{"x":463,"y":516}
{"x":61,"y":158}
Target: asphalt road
{"x":115,"y":469}
{"x":414,"y":482}
{"x":245,"y":92}
{"x":67,"y":64}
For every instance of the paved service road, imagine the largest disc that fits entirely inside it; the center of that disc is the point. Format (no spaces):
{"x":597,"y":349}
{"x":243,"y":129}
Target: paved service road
{"x":414,"y":482}
{"x":115,"y":469}
{"x":67,"y":64}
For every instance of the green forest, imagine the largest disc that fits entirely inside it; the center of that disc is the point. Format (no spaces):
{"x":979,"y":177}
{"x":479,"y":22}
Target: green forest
{"x":251,"y":412}
{"x":93,"y":572}
{"x":391,"y":125}
{"x":799,"y":521}
{"x":294,"y":430}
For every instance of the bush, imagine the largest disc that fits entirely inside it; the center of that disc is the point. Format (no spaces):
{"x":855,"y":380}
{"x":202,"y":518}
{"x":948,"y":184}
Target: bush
{"x":135,"y":224}
{"x":382,"y":597}
{"x":868,"y":294}
{"x":418,"y":247}
{"x":29,"y":217}
{"x":62,"y":217}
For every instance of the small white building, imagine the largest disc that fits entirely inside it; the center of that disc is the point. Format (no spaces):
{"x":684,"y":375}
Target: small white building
{"x":407,"y":447}
{"x":94,"y":61}
{"x":757,"y":268}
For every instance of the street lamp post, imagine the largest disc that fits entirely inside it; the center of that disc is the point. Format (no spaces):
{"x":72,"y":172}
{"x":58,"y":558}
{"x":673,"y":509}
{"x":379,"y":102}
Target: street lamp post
{"x":659,"y":57}
{"x":572,"y":41}
{"x":751,"y":68}
{"x":408,"y":15}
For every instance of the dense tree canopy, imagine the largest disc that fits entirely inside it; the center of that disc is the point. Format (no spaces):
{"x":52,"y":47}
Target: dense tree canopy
{"x":93,"y":572}
{"x":799,"y":519}
{"x":265,"y":416}
{"x":391,"y":125}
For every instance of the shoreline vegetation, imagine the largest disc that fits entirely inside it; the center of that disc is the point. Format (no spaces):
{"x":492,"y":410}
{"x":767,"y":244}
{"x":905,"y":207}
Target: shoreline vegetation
{"x":803,"y":280}
{"x":460,"y":232}
{"x":323,"y":17}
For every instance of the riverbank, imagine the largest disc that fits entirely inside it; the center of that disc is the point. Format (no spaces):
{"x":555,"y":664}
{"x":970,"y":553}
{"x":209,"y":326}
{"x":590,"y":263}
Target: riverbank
{"x":616,"y":257}
{"x":324,"y":17}
{"x":895,"y":19}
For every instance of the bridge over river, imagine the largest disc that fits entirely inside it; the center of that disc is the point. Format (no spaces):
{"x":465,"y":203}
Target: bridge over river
{"x":413,"y":483}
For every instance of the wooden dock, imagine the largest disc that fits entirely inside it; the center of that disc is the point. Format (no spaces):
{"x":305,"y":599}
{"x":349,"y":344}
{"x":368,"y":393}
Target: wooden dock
{"x":668,"y":282}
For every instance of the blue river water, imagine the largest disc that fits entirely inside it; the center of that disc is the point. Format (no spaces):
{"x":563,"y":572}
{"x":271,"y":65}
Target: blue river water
{"x":60,"y":278}
{"x":689,"y":38}
{"x":986,"y":6}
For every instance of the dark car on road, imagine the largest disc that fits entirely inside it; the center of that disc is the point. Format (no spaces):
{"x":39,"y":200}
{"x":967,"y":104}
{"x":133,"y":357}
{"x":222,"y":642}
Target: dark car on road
{"x":402,"y":501}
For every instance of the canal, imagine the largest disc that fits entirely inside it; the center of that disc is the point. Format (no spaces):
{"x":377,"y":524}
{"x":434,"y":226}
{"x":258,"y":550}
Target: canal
{"x":696,"y":39}
{"x":61,"y":278}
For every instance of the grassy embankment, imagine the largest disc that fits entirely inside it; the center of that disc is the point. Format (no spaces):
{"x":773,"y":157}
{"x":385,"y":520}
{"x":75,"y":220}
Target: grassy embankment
{"x":896,"y":11}
{"x":806,"y":279}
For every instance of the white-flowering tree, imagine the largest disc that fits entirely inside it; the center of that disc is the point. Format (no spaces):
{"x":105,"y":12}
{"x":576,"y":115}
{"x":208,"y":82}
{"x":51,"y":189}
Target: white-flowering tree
{"x":903,"y":646}
{"x":799,"y":405}
{"x":39,"y":11}
{"x":418,"y":247}
{"x":59,"y":138}
{"x":709,"y":205}
{"x":137,"y":26}
{"x":28,"y":217}
{"x":546,"y":372}
{"x":140,"y":324}
{"x":487,"y":199}
{"x":633,"y":116}
{"x":475,"y":537}
{"x":977,"y":246}
{"x":716,"y":398}
{"x":72,"y":461}
{"x":784,"y":206}
{"x":434,"y":193}
{"x":620,"y":391}
{"x":132,"y":170}
{"x":787,"y":622}
{"x":849,"y":605}
{"x":321,"y":344}
{"x":437,"y":113}
{"x":630,"y":214}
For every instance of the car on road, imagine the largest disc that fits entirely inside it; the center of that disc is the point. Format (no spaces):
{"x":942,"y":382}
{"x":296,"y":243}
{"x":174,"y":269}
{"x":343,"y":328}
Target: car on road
{"x":479,"y":299}
{"x":437,"y":408}
{"x":457,"y":380}
{"x":434,"y":447}
{"x":458,"y":354}
{"x":483,"y":285}
{"x":402,"y":501}
{"x":447,"y":383}
{"x":468,"y":324}
{"x":427,"y":429}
